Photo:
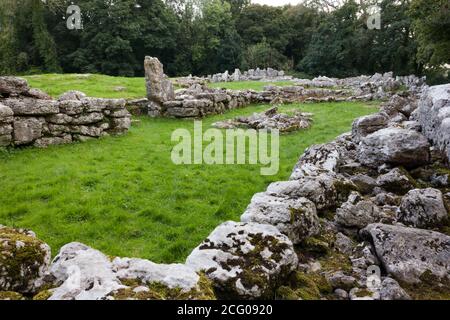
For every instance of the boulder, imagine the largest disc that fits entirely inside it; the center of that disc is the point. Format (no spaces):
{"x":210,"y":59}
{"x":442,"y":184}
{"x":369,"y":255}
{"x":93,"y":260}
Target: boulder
{"x":358,"y":212}
{"x":13,"y":86}
{"x":72,"y":95}
{"x":32,"y":107}
{"x":366,"y":125}
{"x":409,"y":253}
{"x":391,"y":290}
{"x":26,"y":130}
{"x":433,"y":114}
{"x":397,"y":181}
{"x":321,"y":190}
{"x":24,"y":260}
{"x":245,"y":260}
{"x":394,"y":146}
{"x":296,"y":218}
{"x":38,"y":94}
{"x":82,"y":273}
{"x":171,"y":275}
{"x":423,"y":208}
{"x":364,"y":183}
{"x":88,"y":118}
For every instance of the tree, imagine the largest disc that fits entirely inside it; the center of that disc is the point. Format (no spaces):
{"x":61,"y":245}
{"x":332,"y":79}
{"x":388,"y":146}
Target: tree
{"x":263,"y":56}
{"x":431,"y":23}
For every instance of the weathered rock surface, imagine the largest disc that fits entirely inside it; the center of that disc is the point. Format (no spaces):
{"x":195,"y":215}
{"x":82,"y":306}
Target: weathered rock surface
{"x":358,"y":212}
{"x":24,"y":260}
{"x":394,"y":146}
{"x":366,"y":125}
{"x":423,"y":208}
{"x":434,"y":116}
{"x":244,"y":260}
{"x":391,"y":290}
{"x":396,"y":181}
{"x":82,"y":273}
{"x":407,"y":253}
{"x":296,"y":218}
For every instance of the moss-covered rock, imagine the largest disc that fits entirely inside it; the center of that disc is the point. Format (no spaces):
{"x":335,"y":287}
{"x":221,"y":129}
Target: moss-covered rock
{"x":11,"y":295}
{"x":305,"y":286}
{"x":23,"y":260}
{"x":158,"y":291}
{"x":245,"y":260}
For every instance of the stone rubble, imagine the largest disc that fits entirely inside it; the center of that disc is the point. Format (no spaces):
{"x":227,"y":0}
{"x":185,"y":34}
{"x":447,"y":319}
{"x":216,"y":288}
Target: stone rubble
{"x":269,"y":120}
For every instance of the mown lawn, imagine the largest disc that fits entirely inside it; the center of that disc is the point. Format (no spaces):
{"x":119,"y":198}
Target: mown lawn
{"x":123,"y":195}
{"x":93,"y":85}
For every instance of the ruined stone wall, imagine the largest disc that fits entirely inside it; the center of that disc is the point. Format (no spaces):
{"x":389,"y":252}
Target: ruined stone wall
{"x":257,"y":74}
{"x":434,"y":116}
{"x":31,"y":117}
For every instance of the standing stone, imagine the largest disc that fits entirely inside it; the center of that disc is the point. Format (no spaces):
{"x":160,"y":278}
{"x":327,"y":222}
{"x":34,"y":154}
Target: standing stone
{"x":159,"y":87}
{"x":237,"y":75}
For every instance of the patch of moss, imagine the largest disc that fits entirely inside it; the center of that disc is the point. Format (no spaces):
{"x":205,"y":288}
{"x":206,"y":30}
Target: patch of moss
{"x":316,"y":246}
{"x":159,"y":291}
{"x":360,"y":293}
{"x":343,"y":189}
{"x":10,"y":295}
{"x":430,"y":288}
{"x":336,"y":262}
{"x":43,"y":295}
{"x":24,"y":258}
{"x":304,"y":286}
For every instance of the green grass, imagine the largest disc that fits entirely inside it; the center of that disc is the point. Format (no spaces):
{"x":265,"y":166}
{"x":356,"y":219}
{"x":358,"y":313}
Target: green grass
{"x":254,"y":85}
{"x":93,"y":85}
{"x":124,"y":196}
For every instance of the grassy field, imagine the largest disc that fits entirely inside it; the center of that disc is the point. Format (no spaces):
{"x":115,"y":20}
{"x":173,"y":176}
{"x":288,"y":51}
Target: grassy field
{"x":92,"y":84}
{"x":124,"y":196}
{"x":101,"y":86}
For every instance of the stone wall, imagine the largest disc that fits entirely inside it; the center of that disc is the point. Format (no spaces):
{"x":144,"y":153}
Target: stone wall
{"x":434,"y":116}
{"x":198,"y":100}
{"x":31,"y":117}
{"x":257,"y":74}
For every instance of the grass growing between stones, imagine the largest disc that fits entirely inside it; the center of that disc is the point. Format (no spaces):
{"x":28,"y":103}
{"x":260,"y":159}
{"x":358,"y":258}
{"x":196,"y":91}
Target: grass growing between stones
{"x":124,"y":196}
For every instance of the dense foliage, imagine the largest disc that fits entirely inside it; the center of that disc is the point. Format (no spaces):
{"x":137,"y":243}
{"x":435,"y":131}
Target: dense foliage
{"x":207,"y":36}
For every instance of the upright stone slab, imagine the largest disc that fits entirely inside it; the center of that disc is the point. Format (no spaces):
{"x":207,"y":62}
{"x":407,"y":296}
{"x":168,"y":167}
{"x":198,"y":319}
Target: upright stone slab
{"x":159,"y":87}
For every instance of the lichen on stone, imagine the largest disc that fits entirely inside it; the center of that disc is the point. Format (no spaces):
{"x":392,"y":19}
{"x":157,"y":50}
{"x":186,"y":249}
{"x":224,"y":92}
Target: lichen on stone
{"x":23,"y":260}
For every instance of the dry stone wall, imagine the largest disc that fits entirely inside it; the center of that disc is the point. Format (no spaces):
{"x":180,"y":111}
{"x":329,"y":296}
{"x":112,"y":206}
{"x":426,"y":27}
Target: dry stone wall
{"x":198,"y":100}
{"x":31,"y":117}
{"x":434,"y":116}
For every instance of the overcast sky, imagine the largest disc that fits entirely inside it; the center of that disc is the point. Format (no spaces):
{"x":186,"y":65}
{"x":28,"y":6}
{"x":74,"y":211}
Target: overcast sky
{"x":277,"y":2}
